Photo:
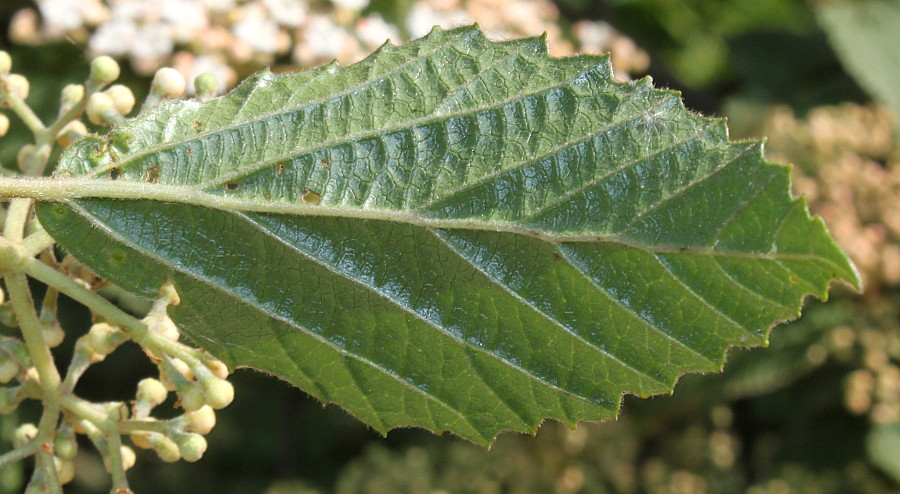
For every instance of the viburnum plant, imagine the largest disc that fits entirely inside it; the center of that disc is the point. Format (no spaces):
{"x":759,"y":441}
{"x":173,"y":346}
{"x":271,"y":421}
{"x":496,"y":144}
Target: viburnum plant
{"x":453,"y":234}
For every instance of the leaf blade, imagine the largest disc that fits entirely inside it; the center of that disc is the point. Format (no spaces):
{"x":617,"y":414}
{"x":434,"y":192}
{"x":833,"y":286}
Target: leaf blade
{"x":524,"y":238}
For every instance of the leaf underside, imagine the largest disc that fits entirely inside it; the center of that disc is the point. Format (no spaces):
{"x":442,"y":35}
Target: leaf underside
{"x":454,"y":234}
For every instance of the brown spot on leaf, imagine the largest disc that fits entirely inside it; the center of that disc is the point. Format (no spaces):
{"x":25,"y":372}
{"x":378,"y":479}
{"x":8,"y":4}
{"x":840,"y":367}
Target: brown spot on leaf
{"x":279,"y":168}
{"x":325,"y":164}
{"x":115,"y":173}
{"x":557,"y":256}
{"x":197,"y":126}
{"x":153,"y":174}
{"x":232,"y":186}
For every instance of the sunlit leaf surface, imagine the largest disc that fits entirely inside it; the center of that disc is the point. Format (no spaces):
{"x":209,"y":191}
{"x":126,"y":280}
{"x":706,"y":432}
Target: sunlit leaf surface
{"x":453,"y":234}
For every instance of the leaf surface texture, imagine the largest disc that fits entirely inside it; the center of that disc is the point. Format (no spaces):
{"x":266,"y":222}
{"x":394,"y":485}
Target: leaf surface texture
{"x":453,"y":234}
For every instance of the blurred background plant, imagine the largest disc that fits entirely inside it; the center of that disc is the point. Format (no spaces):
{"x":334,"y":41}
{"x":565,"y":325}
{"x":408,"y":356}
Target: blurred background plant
{"x":817,"y":412}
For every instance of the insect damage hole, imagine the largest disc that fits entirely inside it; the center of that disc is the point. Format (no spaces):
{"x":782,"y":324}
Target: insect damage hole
{"x":232,"y":186}
{"x":311,"y":197}
{"x":153,"y":174}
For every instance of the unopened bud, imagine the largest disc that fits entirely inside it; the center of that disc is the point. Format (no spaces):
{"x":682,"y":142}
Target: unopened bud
{"x":165,"y":448}
{"x":168,"y":83}
{"x":9,"y":368}
{"x":9,"y":400}
{"x":202,"y":421}
{"x":104,"y":70}
{"x":192,"y":446}
{"x":18,"y":85}
{"x":207,"y":86}
{"x":122,"y":97}
{"x":5,"y":63}
{"x":65,"y":446}
{"x":105,"y":338}
{"x":71,"y":133}
{"x":218,"y":368}
{"x":71,"y":95}
{"x":141,"y":440}
{"x":101,"y":109}
{"x":151,"y":391}
{"x":192,"y":397}
{"x":128,"y":457}
{"x":4,"y":124}
{"x":24,"y":434}
{"x":53,"y":334}
{"x":219,"y":393}
{"x":65,"y":470}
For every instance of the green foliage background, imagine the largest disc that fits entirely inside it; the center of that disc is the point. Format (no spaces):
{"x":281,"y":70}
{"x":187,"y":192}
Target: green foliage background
{"x":817,"y":412}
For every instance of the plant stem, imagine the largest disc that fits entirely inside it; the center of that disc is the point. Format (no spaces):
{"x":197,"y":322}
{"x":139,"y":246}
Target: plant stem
{"x":23,"y":305}
{"x":16,"y":217}
{"x":19,"y":453}
{"x":99,"y":305}
{"x":20,"y":108}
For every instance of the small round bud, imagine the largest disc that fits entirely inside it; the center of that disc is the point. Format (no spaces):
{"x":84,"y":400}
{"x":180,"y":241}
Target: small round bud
{"x":104,"y":338}
{"x":165,"y":448}
{"x":71,"y":94}
{"x":4,"y":126}
{"x":122,"y":97}
{"x":141,"y":440}
{"x":100,"y":107}
{"x":9,"y":400}
{"x":207,"y":86}
{"x":128,"y":457}
{"x":24,"y":434}
{"x":219,"y":393}
{"x":202,"y":421}
{"x":53,"y":334}
{"x":192,"y":398}
{"x":5,"y":63}
{"x":168,"y":83}
{"x":104,"y":70}
{"x":65,"y":446}
{"x":65,"y":470}
{"x":9,"y":368}
{"x":71,"y":133}
{"x":192,"y":446}
{"x":182,"y":368}
{"x":151,"y":391}
{"x":18,"y":85}
{"x":218,"y":368}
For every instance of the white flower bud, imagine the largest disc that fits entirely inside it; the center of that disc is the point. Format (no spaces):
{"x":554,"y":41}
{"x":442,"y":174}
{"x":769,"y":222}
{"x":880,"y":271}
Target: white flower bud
{"x":24,"y":434}
{"x":65,"y":446}
{"x":122,"y":97}
{"x":53,"y":334}
{"x":192,"y":446}
{"x":151,"y":391}
{"x":4,"y":126}
{"x":71,"y":133}
{"x":104,"y":70}
{"x":168,"y":82}
{"x":71,"y":95}
{"x":9,"y":368}
{"x":5,"y":63}
{"x":201,"y":421}
{"x":165,"y":448}
{"x":218,"y":368}
{"x":104,"y":338}
{"x":219,"y":393}
{"x":192,"y":398}
{"x":18,"y":85}
{"x":207,"y":86}
{"x":100,"y":108}
{"x":128,"y":457}
{"x":65,"y":470}
{"x":141,"y":440}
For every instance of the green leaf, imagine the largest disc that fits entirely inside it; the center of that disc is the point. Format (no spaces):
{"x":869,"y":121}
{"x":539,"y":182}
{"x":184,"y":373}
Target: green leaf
{"x":864,"y":35}
{"x":453,"y":234}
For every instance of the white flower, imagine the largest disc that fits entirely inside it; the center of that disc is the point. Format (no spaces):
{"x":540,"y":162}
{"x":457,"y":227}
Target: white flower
{"x":373,"y":31}
{"x":351,"y":4}
{"x":115,"y":37}
{"x":257,"y":30}
{"x":61,"y":15}
{"x":422,"y":18}
{"x":187,"y":18}
{"x":323,"y":38}
{"x":153,"y":42}
{"x":287,"y":12}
